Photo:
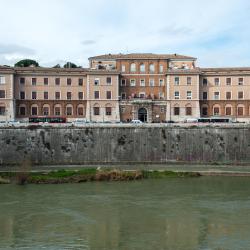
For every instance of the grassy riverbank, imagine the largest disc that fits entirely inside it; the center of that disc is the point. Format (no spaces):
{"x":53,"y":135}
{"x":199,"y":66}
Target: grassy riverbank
{"x":84,"y":175}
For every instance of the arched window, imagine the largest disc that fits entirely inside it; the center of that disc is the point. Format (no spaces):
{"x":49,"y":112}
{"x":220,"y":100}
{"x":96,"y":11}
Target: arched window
{"x":22,"y":109}
{"x":108,"y":109}
{"x":132,"y":67}
{"x":2,"y":110}
{"x":80,"y":110}
{"x":188,"y":110}
{"x":69,"y":110}
{"x":216,"y":109}
{"x":46,"y":109}
{"x":176,"y":109}
{"x":142,"y":67}
{"x":204,"y":110}
{"x":57,"y":110}
{"x":240,"y":110}
{"x":96,"y":109}
{"x":228,"y":109}
{"x":34,"y":110}
{"x":152,"y":68}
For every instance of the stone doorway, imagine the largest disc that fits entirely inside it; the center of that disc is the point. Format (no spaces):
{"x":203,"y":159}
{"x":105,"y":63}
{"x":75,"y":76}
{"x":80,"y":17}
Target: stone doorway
{"x":143,"y":115}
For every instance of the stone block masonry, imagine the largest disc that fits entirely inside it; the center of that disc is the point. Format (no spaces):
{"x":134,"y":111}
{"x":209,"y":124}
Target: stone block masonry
{"x":125,"y":144}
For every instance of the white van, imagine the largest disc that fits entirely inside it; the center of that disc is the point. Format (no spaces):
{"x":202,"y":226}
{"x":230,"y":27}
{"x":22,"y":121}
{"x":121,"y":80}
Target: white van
{"x":136,"y":121}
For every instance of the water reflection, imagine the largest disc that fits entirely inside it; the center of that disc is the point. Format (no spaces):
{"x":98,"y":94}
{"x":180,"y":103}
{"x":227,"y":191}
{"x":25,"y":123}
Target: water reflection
{"x":203,"y":213}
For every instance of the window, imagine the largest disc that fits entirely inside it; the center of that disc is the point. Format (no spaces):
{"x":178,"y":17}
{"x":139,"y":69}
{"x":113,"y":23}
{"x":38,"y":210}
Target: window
{"x":46,"y":81}
{"x":57,"y":95}
{"x":216,"y":95}
{"x":240,"y":95}
{"x":69,"y":95}
{"x":123,"y":96}
{"x":80,"y":111}
{"x":188,"y":110}
{"x":151,"y":82}
{"x":69,"y":81}
{"x":96,"y":111}
{"x":228,"y":95}
{"x":96,"y":95}
{"x":241,"y":81}
{"x":151,"y":68}
{"x":216,"y":81}
{"x":176,"y":95}
{"x":161,"y":95}
{"x":189,"y":80}
{"x":216,"y":111}
{"x":162,"y":109}
{"x":189,"y":95}
{"x":33,"y":81}
{"x":161,"y":68}
{"x":228,"y":110}
{"x":97,"y":82}
{"x":176,"y":80}
{"x":240,"y":111}
{"x":109,"y":80}
{"x":142,"y":94}
{"x":176,"y":111}
{"x":80,"y":81}
{"x":68,"y":110}
{"x":161,"y":82}
{"x":22,"y":80}
{"x":228,"y":81}
{"x":2,"y":110}
{"x":108,"y":94}
{"x":123,"y":82}
{"x":57,"y":111}
{"x":33,"y":95}
{"x":45,"y":110}
{"x":204,"y":111}
{"x":108,"y":111}
{"x":2,"y":93}
{"x":142,"y":82}
{"x":204,"y":96}
{"x":123,"y":68}
{"x":204,"y":82}
{"x":142,"y":68}
{"x":132,"y":67}
{"x":132,"y":82}
{"x":2,"y":79}
{"x":46,"y":95}
{"x":123,"y":109}
{"x":22,"y":95}
{"x":80,"y":95}
{"x":22,"y":111}
{"x":33,"y":110}
{"x":57,"y":81}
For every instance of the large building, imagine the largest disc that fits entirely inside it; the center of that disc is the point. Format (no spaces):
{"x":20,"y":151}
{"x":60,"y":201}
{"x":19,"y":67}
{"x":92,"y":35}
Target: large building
{"x":123,"y":87}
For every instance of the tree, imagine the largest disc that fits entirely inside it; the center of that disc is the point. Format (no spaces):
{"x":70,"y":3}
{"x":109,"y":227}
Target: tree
{"x":58,"y":66}
{"x":70,"y":65}
{"x":27,"y":63}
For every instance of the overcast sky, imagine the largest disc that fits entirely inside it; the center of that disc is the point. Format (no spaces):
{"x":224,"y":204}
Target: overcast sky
{"x":217,"y":32}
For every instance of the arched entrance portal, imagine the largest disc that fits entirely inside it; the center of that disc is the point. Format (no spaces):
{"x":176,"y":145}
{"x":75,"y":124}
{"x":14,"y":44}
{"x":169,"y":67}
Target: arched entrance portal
{"x":142,"y":115}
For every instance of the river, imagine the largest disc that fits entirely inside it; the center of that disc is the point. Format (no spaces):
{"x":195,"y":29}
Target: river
{"x":173,"y":213}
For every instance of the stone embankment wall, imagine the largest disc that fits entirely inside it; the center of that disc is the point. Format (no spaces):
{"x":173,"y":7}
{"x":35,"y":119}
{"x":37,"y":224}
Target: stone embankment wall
{"x":125,"y":144}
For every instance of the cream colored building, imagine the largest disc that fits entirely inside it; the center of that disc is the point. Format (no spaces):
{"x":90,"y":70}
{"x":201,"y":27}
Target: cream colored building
{"x":7,"y":100}
{"x":123,"y":87}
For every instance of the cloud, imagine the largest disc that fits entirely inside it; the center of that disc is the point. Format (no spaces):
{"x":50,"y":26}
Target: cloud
{"x":10,"y":49}
{"x":197,"y":28}
{"x":88,"y":42}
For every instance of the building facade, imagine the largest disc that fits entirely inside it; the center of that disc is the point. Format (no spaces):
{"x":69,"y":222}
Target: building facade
{"x":123,"y":87}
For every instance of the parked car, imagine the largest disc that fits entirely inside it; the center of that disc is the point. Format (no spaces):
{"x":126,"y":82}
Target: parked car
{"x":136,"y":121}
